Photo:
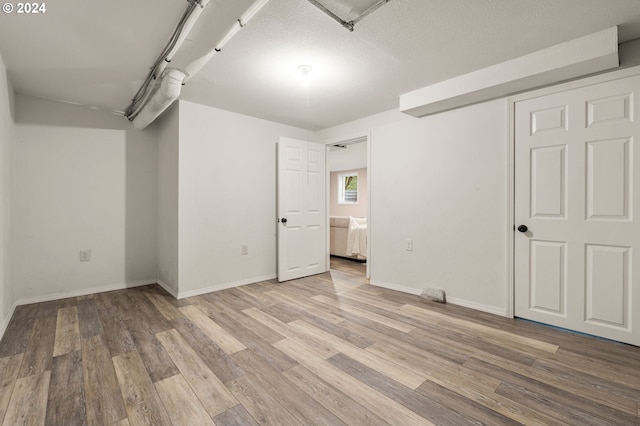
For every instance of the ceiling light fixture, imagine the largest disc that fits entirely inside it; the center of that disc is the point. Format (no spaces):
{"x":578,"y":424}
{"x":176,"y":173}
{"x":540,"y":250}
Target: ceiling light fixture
{"x":304,"y":74}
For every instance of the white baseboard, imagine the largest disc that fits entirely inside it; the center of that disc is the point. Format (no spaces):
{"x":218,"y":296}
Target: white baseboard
{"x":453,"y":300}
{"x":477,"y":306}
{"x":83,"y":292}
{"x":396,"y":287}
{"x":6,"y":319}
{"x":224,"y":286}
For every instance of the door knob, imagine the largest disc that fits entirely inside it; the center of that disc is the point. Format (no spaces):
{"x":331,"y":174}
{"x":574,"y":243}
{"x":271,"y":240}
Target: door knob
{"x":284,"y":220}
{"x":523,"y":228}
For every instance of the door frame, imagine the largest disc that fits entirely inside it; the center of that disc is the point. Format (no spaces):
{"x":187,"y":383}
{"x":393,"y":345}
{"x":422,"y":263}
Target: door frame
{"x":511,"y":145}
{"x":357,"y":137}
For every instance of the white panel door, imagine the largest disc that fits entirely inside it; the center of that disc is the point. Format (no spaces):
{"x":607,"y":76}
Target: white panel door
{"x":301,"y":209}
{"x":576,"y":200}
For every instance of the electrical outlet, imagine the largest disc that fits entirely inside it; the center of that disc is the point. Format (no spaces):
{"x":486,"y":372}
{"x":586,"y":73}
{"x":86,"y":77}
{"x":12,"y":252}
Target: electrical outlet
{"x":408,"y":244}
{"x":245,"y":249}
{"x":85,"y":255}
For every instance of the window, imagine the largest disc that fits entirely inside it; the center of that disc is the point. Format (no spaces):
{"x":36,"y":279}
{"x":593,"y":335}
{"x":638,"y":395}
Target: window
{"x":348,"y":188}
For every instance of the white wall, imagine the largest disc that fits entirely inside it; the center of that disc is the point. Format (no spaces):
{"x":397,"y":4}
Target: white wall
{"x":442,"y":181}
{"x":7,"y":291}
{"x":167,"y":231}
{"x":355,"y":210}
{"x":84,"y":179}
{"x":227,"y":190}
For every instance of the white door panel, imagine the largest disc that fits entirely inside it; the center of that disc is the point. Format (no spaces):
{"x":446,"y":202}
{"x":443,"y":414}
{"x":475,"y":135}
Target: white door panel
{"x":301,"y":209}
{"x":577,"y":189}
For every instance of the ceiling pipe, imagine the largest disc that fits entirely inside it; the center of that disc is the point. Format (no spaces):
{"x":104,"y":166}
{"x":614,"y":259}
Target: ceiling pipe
{"x":188,"y":20}
{"x":194,"y":67}
{"x":152,"y":104}
{"x":188,"y":26}
{"x":167,"y":92}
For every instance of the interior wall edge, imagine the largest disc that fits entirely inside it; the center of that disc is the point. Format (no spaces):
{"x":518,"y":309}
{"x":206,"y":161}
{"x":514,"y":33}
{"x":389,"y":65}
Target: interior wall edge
{"x":167,"y":288}
{"x":5,"y":321}
{"x":7,"y":142}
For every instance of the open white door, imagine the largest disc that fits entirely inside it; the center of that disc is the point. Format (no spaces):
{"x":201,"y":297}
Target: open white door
{"x":301,"y":209}
{"x":577,"y":206}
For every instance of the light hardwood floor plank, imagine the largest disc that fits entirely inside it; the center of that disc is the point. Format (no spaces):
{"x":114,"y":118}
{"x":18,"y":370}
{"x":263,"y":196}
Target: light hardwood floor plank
{"x":339,"y":403}
{"x":398,"y":325}
{"x":565,"y":399}
{"x":588,"y":390}
{"x":561,"y":412}
{"x":309,"y":305}
{"x":322,"y":349}
{"x":436,"y":369}
{"x":66,"y":391}
{"x":262,"y":406}
{"x":115,"y":332}
{"x":213,"y":395}
{"x":222,"y":365}
{"x":9,"y":367}
{"x":453,"y":401}
{"x":140,"y":397}
{"x":498,"y":336}
{"x":382,"y":334}
{"x":217,"y":310}
{"x":298,"y":313}
{"x":469,"y":345}
{"x":298,"y":403}
{"x":101,"y":389}
{"x":88,"y":318}
{"x":414,"y":401}
{"x":182,"y":405}
{"x":254,"y":338}
{"x":163,"y":305}
{"x":16,"y":336}
{"x":217,"y":334}
{"x":236,"y":416}
{"x":380,"y":405}
{"x":603,"y":369}
{"x":28,"y":403}
{"x":412,"y":378}
{"x":155,"y":357}
{"x":67,"y":338}
{"x":39,"y":350}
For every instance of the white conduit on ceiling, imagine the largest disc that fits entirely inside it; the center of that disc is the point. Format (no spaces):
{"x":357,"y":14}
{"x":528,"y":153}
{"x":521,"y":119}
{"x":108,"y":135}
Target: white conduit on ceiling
{"x":184,"y":27}
{"x":195,"y":66}
{"x":153,"y":99}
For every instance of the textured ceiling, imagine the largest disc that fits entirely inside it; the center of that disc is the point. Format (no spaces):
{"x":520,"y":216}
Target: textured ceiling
{"x":351,"y":157}
{"x":97,"y":52}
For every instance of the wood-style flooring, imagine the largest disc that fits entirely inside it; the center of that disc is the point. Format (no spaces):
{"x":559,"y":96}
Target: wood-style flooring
{"x":326,"y":350}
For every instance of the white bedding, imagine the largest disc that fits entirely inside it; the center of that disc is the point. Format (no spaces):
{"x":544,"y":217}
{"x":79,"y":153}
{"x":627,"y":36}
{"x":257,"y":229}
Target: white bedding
{"x":357,"y":238}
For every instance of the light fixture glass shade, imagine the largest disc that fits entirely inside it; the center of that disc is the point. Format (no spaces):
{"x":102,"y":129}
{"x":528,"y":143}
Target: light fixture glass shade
{"x":304,"y":74}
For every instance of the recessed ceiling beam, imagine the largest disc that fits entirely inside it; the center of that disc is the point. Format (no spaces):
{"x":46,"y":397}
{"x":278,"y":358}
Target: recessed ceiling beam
{"x":582,"y":56}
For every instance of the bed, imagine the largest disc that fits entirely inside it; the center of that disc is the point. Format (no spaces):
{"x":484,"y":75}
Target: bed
{"x":348,"y":237}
